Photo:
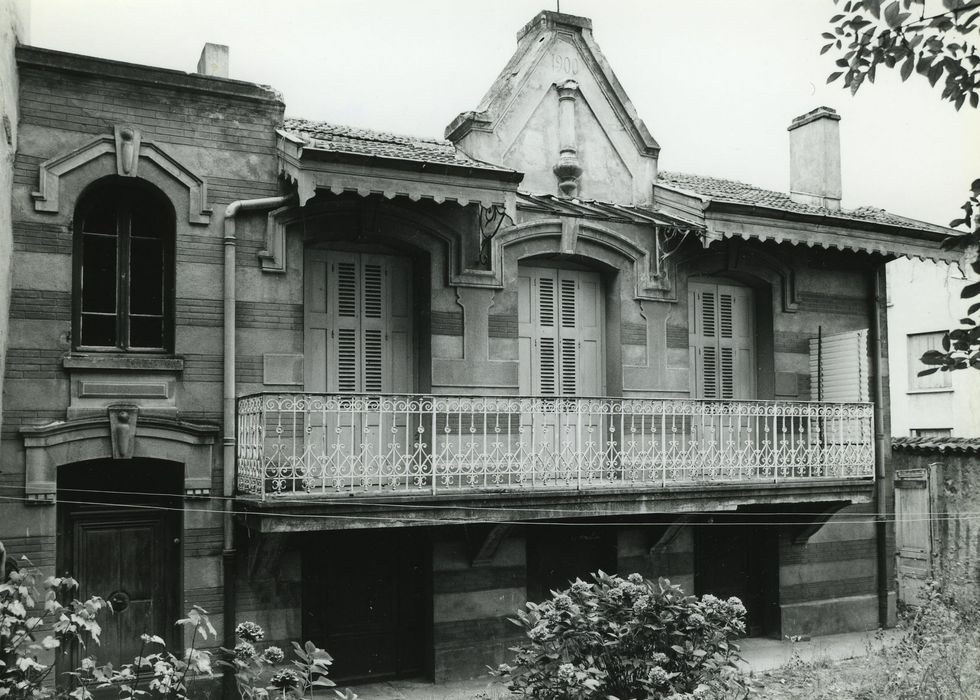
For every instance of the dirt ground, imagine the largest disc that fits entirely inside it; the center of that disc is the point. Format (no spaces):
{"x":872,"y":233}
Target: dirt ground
{"x":840,"y":680}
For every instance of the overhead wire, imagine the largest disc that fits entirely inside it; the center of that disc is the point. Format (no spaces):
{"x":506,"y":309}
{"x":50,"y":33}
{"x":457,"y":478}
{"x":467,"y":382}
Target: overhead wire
{"x":537,"y":522}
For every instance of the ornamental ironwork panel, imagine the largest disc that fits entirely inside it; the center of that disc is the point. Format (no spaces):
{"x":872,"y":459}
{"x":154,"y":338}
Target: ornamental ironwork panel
{"x":346,"y":445}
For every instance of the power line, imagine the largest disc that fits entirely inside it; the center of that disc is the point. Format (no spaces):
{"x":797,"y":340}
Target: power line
{"x":475,"y":521}
{"x":343,"y":502}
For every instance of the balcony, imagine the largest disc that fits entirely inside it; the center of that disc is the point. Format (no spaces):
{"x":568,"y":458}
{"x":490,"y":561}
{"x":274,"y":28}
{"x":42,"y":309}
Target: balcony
{"x":366,"y":445}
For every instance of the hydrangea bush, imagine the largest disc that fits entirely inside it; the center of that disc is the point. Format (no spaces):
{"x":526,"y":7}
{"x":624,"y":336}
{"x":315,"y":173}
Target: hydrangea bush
{"x":35,"y":627}
{"x":628,"y":639}
{"x":260,"y":675}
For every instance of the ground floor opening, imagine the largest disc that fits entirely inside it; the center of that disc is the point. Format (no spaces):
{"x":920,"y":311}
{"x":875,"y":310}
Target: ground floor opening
{"x":367,"y":599}
{"x":119,"y":525}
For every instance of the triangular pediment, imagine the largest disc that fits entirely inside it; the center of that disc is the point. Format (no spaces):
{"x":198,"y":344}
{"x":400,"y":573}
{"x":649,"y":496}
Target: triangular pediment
{"x":558,"y":114}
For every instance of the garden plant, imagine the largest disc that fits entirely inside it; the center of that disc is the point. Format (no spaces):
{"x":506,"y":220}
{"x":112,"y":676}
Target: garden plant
{"x":627,"y":639}
{"x":36,"y":628}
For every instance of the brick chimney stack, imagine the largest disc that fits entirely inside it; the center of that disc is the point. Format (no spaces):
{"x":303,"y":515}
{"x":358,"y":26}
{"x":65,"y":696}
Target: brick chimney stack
{"x":814,"y":159}
{"x":213,"y":61}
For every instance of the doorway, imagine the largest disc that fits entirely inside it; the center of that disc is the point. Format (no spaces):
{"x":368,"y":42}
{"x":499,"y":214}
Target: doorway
{"x":738,"y":557}
{"x":367,"y":601}
{"x":559,"y":554}
{"x":119,"y":537}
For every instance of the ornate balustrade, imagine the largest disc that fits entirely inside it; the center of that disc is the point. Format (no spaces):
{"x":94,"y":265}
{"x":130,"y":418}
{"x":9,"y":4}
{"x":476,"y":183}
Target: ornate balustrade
{"x":414,"y":444}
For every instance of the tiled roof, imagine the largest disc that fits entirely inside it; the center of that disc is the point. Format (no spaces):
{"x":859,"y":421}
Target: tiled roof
{"x":937,"y":444}
{"x":335,"y":138}
{"x":722,"y":190}
{"x":603,"y":211}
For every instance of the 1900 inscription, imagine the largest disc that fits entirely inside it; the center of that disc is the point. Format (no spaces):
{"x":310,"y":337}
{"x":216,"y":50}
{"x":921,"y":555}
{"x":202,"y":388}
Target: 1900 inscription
{"x":568,"y":65}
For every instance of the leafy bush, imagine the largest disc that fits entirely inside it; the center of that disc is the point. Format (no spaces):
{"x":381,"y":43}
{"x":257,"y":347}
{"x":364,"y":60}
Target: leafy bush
{"x":29,"y":606}
{"x":260,"y":675}
{"x":627,"y":639}
{"x":937,"y":656}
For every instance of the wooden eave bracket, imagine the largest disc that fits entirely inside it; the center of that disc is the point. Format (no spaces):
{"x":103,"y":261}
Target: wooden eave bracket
{"x":814,"y":520}
{"x":489,"y":544}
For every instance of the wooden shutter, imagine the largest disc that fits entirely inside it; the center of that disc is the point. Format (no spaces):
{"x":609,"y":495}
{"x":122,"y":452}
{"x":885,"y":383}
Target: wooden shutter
{"x":358,"y":335}
{"x":722,"y":341}
{"x":839,"y":367}
{"x":560,"y":332}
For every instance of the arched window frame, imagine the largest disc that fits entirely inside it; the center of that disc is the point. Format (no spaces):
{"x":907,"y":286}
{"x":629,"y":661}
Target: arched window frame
{"x":124,"y":194}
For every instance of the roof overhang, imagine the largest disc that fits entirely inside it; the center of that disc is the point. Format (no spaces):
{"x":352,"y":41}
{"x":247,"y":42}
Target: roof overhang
{"x":723,"y":219}
{"x":312,"y":169}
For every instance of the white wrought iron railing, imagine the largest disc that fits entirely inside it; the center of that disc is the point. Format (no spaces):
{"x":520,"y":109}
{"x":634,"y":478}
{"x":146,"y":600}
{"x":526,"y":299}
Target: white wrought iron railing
{"x":415,"y":444}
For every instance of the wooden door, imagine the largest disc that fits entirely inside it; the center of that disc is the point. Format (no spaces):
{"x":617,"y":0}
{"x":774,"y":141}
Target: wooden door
{"x":914,"y":489}
{"x":129,"y":559}
{"x":366,"y":601}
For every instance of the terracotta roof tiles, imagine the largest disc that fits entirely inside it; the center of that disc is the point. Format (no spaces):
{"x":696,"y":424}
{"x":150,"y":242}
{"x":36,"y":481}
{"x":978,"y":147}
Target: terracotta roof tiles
{"x":723,"y":190}
{"x":336,"y":138}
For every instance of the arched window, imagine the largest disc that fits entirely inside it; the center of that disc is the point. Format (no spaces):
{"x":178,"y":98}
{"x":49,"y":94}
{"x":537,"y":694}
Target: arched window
{"x":123,"y":268}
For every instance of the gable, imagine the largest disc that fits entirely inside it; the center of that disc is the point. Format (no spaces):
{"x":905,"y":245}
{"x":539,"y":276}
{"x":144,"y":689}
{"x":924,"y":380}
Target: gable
{"x":558,"y":114}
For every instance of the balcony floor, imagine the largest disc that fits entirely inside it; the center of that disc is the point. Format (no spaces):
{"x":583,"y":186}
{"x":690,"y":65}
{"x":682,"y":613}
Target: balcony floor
{"x":306,"y":512}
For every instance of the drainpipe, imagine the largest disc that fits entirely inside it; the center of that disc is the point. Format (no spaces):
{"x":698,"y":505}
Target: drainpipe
{"x":229,"y":421}
{"x":882,"y":478}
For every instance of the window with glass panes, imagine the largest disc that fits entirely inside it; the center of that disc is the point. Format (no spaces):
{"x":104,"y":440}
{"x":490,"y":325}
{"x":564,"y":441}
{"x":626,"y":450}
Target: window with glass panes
{"x":123,"y":273}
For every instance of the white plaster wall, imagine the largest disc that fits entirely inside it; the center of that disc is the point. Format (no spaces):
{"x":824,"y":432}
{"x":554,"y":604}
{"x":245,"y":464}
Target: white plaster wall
{"x":924,"y":297}
{"x":13,"y":26}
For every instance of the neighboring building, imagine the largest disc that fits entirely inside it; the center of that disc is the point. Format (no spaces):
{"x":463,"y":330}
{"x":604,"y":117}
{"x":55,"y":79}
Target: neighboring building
{"x":13,"y":28}
{"x":491,"y":363}
{"x":923,"y":303}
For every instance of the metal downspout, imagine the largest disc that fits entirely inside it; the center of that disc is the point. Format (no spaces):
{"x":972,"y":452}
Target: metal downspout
{"x":228,"y":553}
{"x":882,"y":479}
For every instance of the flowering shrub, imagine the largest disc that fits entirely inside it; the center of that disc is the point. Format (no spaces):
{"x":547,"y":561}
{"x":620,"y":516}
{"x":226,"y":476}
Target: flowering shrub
{"x":628,"y":639}
{"x":259,"y":675}
{"x":30,"y":607}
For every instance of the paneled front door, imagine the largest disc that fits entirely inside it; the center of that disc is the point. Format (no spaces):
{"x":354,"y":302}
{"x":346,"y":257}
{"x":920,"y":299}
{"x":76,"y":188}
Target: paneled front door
{"x":123,"y":558}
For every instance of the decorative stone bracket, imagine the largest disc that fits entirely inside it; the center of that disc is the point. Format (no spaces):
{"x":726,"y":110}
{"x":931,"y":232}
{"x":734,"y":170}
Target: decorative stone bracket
{"x":112,"y":436}
{"x":130,"y":150}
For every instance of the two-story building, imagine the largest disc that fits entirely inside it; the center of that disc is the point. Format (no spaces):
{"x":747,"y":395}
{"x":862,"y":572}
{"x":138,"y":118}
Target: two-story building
{"x":378,"y":391}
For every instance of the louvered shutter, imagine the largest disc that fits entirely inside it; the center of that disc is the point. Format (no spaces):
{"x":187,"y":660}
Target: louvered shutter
{"x":722,"y":345}
{"x":839,"y":367}
{"x":538,"y":320}
{"x":560,"y":332}
{"x":343,"y":297}
{"x":358,"y":315}
{"x":316,"y":320}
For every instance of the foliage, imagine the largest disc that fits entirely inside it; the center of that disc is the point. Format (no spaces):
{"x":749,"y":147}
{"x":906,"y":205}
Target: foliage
{"x":898,"y":34}
{"x":901,"y":35}
{"x":627,"y":639}
{"x":29,"y":606}
{"x":260,"y":675}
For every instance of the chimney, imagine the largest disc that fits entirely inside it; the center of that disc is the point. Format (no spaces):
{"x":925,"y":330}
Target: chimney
{"x":814,"y":159}
{"x":213,"y":61}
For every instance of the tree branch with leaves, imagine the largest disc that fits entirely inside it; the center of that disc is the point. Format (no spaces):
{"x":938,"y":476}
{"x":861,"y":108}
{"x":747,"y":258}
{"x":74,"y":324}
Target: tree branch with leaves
{"x":908,"y":35}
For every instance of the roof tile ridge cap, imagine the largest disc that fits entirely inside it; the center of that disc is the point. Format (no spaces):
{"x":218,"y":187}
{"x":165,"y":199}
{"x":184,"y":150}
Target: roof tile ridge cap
{"x":368,"y":130}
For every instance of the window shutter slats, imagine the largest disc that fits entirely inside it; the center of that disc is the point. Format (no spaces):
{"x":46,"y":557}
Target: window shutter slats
{"x":722,"y":341}
{"x":346,"y":359}
{"x":839,"y":367}
{"x":373,"y":360}
{"x":547,"y":374}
